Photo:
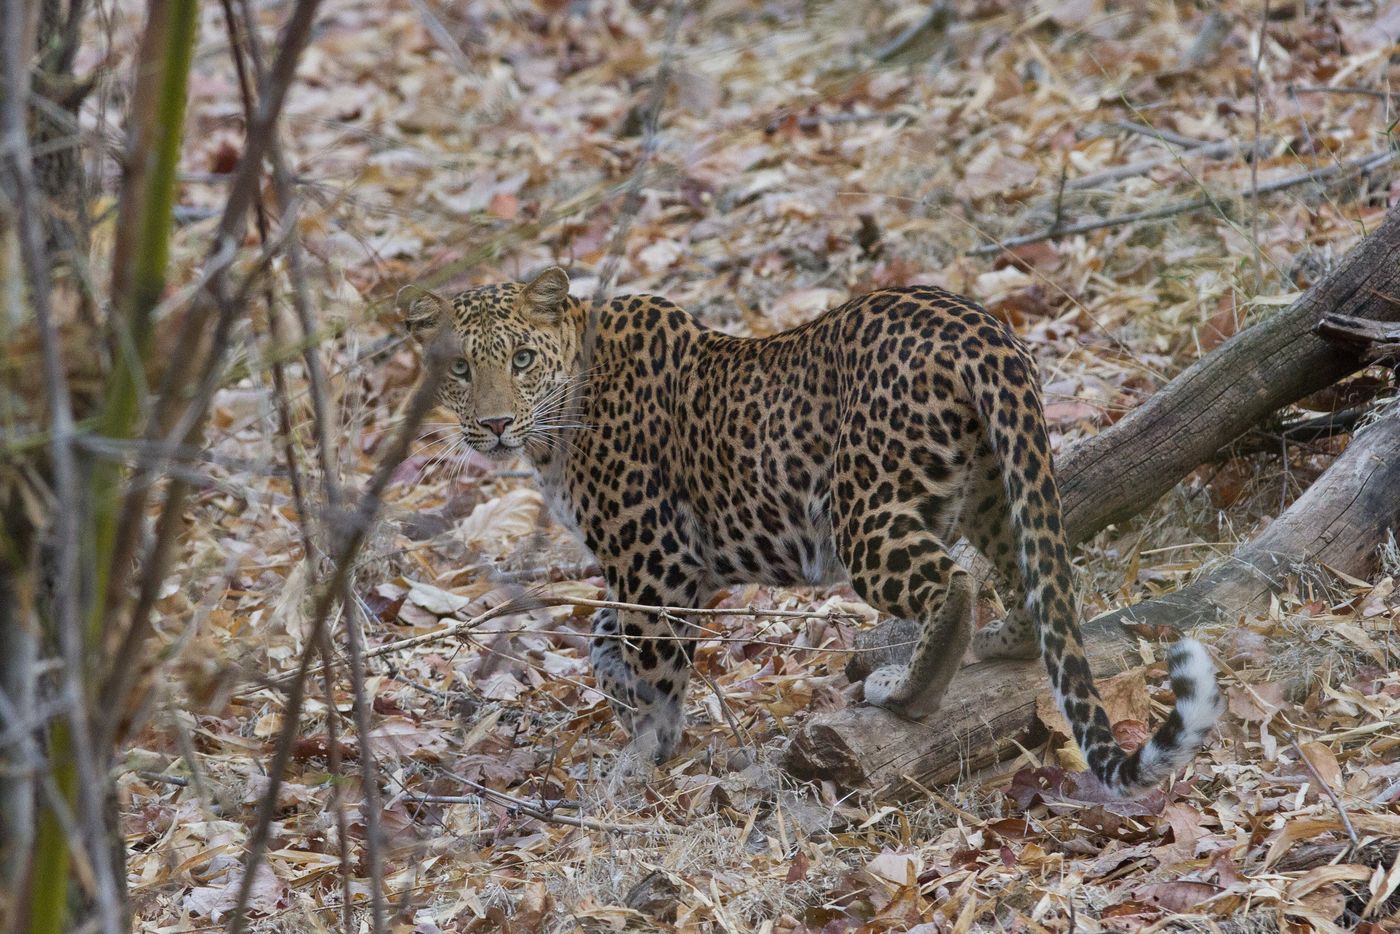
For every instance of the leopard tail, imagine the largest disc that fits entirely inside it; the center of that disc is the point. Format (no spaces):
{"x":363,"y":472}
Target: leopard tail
{"x":1008,"y":402}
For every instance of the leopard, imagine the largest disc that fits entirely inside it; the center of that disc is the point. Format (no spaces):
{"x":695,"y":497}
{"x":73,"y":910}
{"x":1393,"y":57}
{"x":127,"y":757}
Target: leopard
{"x":855,"y":448}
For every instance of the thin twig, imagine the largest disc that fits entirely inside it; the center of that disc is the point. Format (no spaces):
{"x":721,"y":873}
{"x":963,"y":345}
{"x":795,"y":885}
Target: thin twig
{"x":434,"y":25}
{"x":543,"y":804}
{"x":534,"y":811}
{"x":1362,"y":164}
{"x":740,"y":735}
{"x":1254,"y":163}
{"x":1143,"y":166}
{"x":1363,"y":92}
{"x":1322,"y":782}
{"x":933,"y":23}
{"x":369,"y":766}
{"x":1166,"y":136}
{"x":813,"y":121}
{"x":1060,"y":193}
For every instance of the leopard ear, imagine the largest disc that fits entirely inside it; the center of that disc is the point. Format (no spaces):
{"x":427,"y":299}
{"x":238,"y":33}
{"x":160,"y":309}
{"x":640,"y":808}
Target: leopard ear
{"x":547,"y":294}
{"x":421,"y":310}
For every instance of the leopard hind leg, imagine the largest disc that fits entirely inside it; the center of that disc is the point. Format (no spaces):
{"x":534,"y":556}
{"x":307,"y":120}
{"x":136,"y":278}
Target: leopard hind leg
{"x":899,"y":564}
{"x":986,"y":523}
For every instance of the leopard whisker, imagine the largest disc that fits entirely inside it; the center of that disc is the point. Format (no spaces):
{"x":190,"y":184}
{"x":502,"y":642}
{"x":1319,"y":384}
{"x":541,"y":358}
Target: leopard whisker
{"x":428,"y":446}
{"x":440,"y":457}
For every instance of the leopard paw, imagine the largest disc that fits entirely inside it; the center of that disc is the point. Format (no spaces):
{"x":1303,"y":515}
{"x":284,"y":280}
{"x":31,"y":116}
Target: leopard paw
{"x":889,"y":687}
{"x":657,"y":731}
{"x":883,"y":686}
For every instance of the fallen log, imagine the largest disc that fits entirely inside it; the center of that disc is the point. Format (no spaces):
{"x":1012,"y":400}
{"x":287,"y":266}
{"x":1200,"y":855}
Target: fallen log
{"x":1129,"y":465}
{"x":991,"y":712}
{"x":1340,"y":522}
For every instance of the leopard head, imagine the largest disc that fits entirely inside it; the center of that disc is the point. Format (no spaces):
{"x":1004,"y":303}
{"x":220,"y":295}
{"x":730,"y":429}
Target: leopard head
{"x":512,"y":384}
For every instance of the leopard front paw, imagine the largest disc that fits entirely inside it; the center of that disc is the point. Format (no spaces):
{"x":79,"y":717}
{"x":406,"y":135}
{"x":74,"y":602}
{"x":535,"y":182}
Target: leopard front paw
{"x":657,"y":732}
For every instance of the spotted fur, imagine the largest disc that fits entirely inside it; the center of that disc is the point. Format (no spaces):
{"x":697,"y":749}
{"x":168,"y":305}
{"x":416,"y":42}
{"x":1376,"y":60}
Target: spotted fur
{"x":856,"y":447}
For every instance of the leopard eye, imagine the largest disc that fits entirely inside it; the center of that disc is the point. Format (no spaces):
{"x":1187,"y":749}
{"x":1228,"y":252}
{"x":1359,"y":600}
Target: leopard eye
{"x":460,"y":368}
{"x":523,"y":358}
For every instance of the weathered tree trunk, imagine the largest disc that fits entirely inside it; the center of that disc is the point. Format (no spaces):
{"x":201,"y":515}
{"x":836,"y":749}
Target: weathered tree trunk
{"x":1339,"y":522}
{"x":1125,"y":468}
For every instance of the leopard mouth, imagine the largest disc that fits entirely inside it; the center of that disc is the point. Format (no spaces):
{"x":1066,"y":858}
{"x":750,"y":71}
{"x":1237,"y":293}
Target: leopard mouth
{"x":498,"y":448}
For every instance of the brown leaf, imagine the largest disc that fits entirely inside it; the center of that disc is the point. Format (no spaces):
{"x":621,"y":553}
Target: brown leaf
{"x":1222,"y":325}
{"x":1256,"y":703}
{"x":215,"y":902}
{"x":224,"y":158}
{"x":504,"y":205}
{"x":1027,"y":256}
{"x":1131,"y":734}
{"x":531,"y":910}
{"x":1070,"y":413}
{"x":1324,"y":763}
{"x":1179,"y":896}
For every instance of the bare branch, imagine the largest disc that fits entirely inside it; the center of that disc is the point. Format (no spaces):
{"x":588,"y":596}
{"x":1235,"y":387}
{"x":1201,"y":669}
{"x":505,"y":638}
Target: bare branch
{"x":1326,"y":173}
{"x":76,"y":771}
{"x":919,"y":34}
{"x":354,"y":529}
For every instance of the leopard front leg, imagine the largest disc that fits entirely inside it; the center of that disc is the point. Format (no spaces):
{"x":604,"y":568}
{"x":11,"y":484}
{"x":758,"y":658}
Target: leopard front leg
{"x":641,"y":661}
{"x":611,"y":674}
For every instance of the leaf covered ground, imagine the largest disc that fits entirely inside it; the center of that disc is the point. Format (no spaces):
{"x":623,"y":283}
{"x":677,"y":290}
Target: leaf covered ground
{"x":463,"y":142}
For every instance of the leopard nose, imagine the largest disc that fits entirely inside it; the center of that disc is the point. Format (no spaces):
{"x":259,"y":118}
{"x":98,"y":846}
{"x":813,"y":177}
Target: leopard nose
{"x":497,"y":425}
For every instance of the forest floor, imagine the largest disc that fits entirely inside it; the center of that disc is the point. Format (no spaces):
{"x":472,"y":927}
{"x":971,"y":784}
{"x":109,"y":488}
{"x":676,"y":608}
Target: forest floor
{"x":465,"y":142}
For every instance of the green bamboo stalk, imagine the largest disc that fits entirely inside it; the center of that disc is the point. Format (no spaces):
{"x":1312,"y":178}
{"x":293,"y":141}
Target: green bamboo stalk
{"x":48,"y":883}
{"x":139,"y":262}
